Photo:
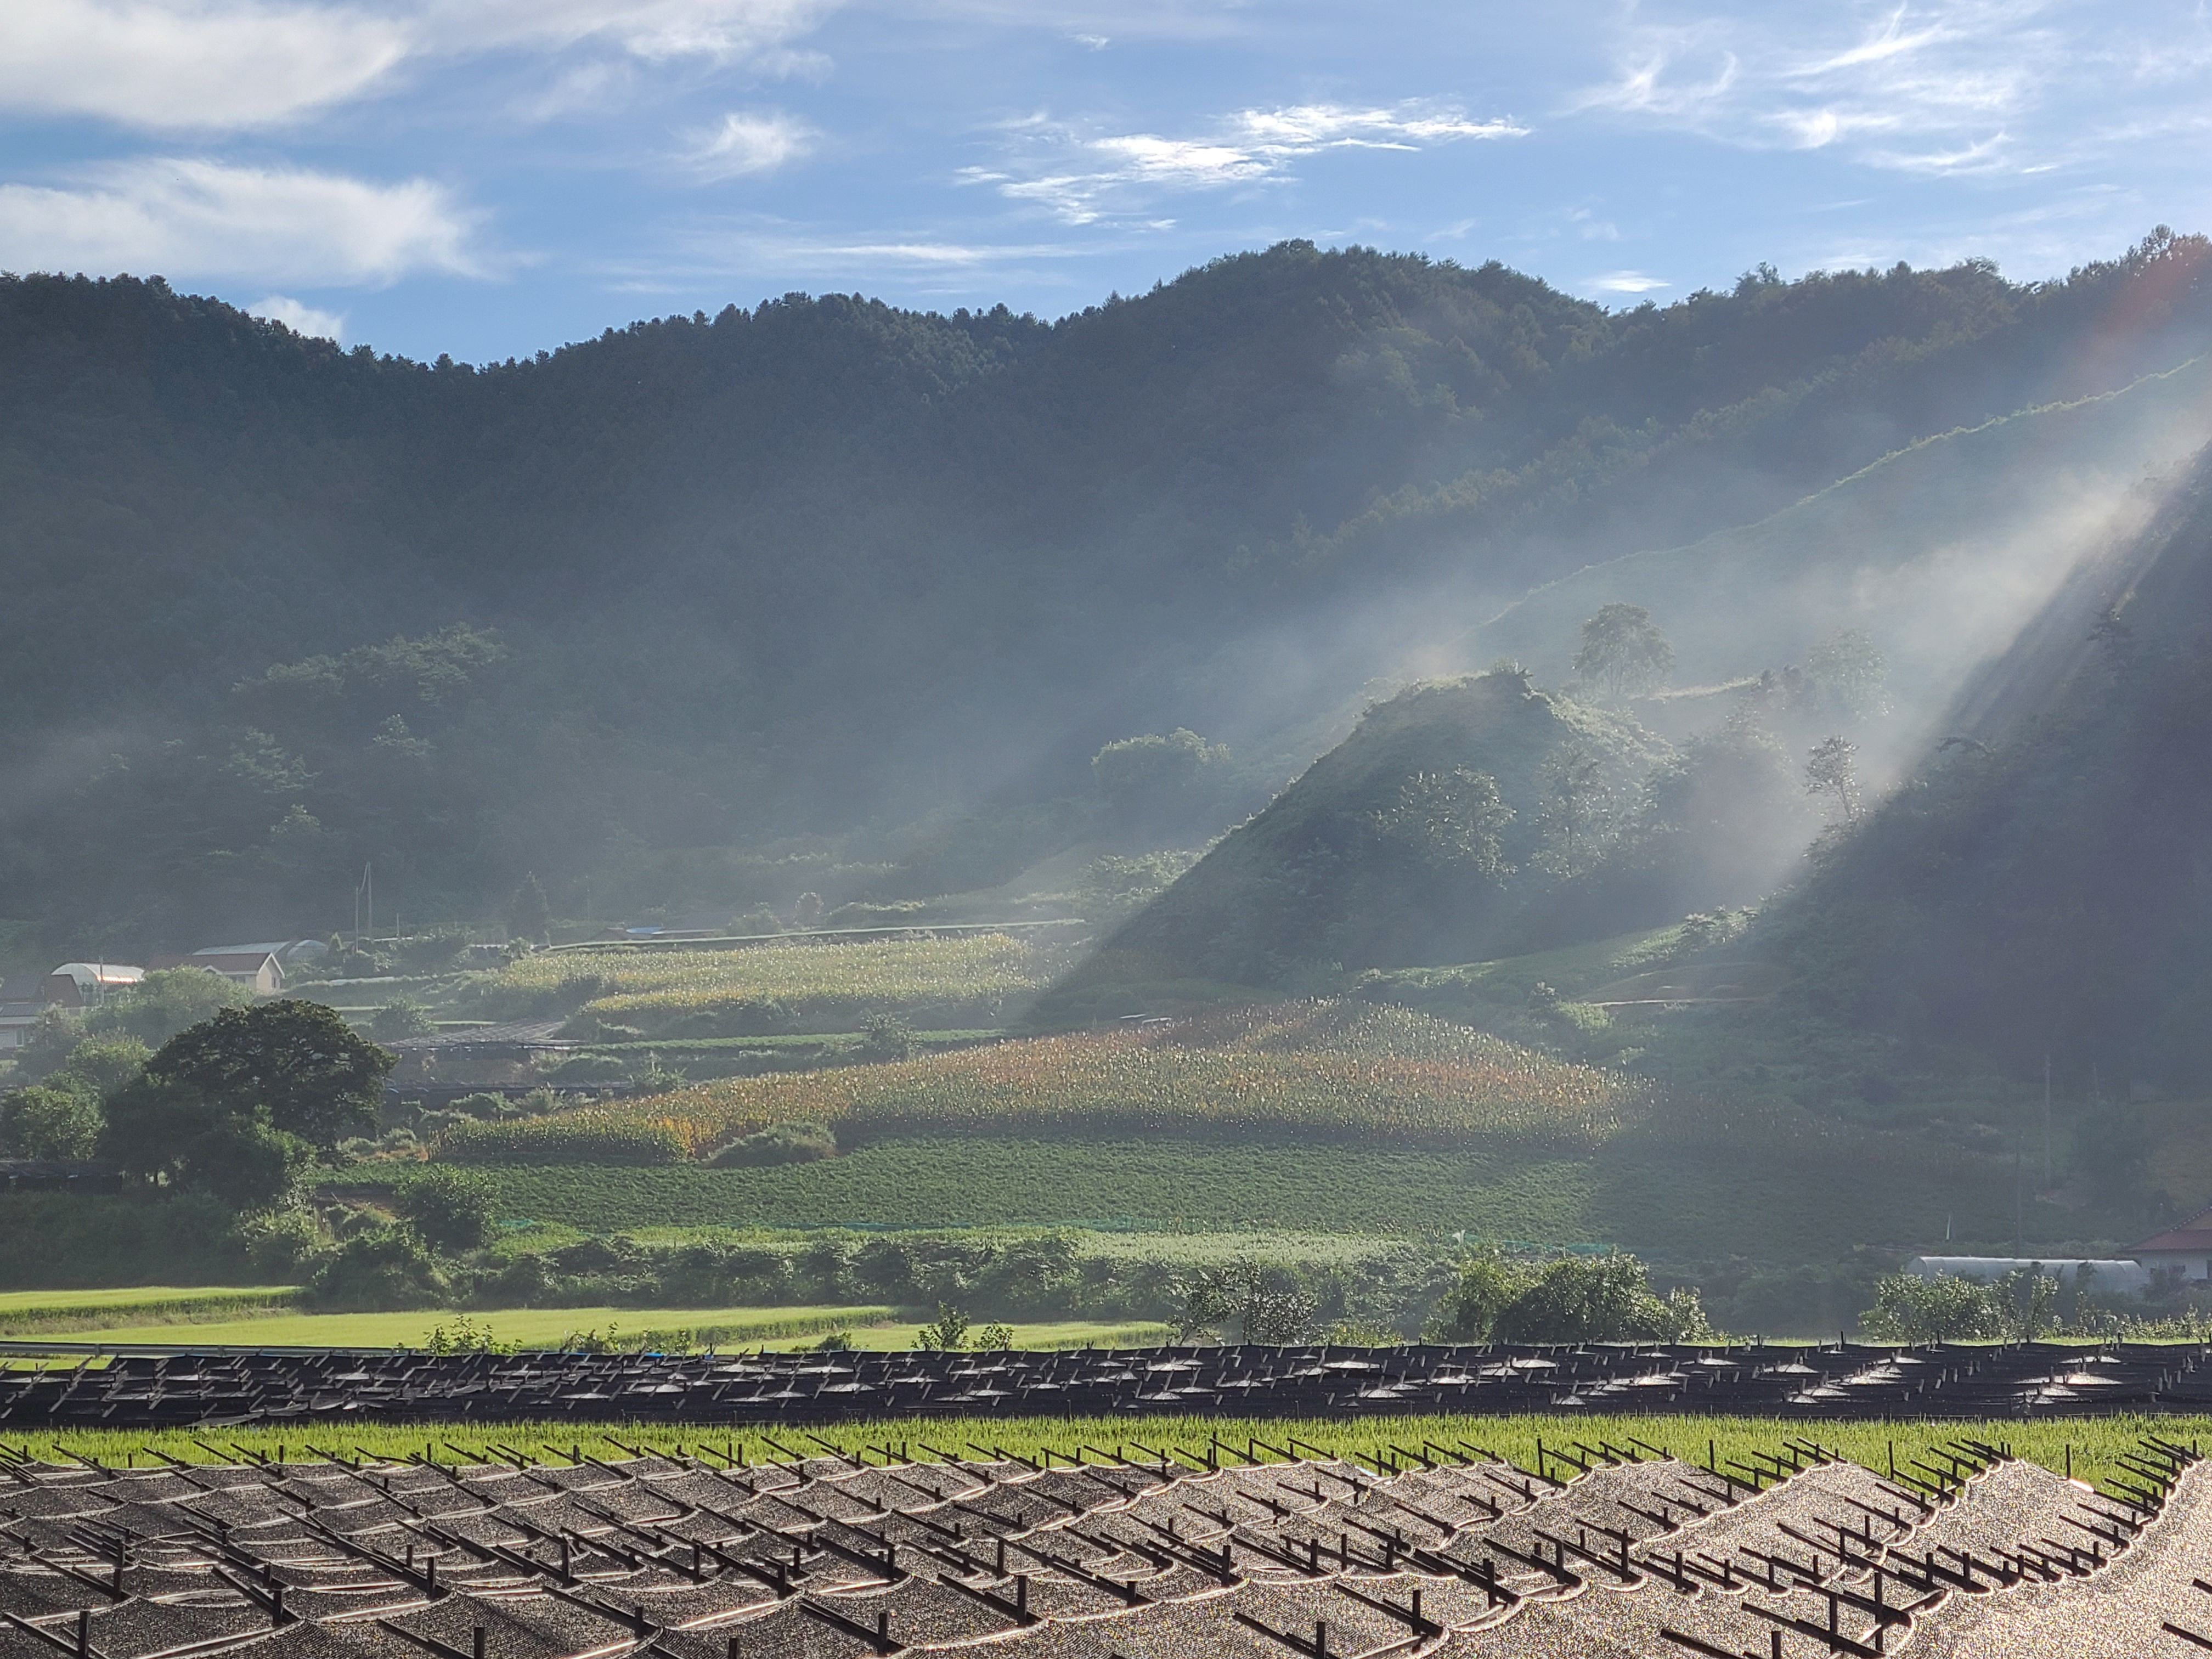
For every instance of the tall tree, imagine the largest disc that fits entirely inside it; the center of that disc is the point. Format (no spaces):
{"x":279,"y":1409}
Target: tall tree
{"x":1624,"y":651}
{"x":1832,"y":771}
{"x":528,"y":915}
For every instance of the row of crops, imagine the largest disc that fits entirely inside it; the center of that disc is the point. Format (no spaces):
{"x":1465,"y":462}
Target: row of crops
{"x":1319,"y":1070}
{"x":975,"y":979}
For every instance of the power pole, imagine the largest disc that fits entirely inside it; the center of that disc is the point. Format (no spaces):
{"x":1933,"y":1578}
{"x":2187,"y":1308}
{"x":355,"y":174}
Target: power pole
{"x":2046,"y":1120}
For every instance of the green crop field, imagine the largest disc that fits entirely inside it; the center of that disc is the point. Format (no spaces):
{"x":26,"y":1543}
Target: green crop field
{"x":1749,"y":1185}
{"x":2087,"y":1447}
{"x":1176,"y":1186}
{"x":830,"y":987}
{"x":41,"y":1312}
{"x":529,"y":1327}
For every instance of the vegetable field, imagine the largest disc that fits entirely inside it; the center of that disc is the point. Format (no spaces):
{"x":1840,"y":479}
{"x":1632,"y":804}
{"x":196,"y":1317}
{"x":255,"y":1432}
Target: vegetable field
{"x":966,"y":1182}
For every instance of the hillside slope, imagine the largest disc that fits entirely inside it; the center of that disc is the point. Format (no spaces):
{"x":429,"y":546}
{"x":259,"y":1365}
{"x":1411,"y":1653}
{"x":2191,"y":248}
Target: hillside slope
{"x":1463,"y":819}
{"x":823,"y":563}
{"x":2041,"y":888}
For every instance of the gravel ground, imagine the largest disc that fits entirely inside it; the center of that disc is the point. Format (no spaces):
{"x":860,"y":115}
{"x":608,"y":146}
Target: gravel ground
{"x":660,"y":1558}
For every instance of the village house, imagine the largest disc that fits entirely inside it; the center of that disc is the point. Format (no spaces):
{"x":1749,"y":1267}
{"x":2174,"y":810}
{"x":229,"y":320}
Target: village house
{"x":2188,"y":1247}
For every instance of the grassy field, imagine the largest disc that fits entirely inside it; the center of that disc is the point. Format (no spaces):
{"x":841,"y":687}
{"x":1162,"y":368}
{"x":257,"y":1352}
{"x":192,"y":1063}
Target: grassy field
{"x":828,"y":987}
{"x":894,"y":1336}
{"x":1764,"y":1186}
{"x":42,"y":1312}
{"x":2088,"y":1447}
{"x":1319,"y":1070}
{"x":531,"y":1328}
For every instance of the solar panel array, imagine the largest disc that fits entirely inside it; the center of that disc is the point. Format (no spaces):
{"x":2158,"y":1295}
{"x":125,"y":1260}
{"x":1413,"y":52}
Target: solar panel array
{"x":1959,"y":1382}
{"x":1251,"y":1553}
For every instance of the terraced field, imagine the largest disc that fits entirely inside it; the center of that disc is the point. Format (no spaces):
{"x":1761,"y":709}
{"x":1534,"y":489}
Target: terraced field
{"x":1250,"y":1548}
{"x":673,"y":992}
{"x":1321,"y":1070}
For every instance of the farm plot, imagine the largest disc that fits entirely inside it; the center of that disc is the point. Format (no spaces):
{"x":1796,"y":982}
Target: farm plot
{"x":637,"y":993}
{"x":1318,"y":1071}
{"x":1261,"y":1548}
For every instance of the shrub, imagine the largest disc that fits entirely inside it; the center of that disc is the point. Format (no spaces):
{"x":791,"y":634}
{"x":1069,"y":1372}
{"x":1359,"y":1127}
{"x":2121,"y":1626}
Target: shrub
{"x":281,"y":1243}
{"x":402,"y":1016}
{"x":380,"y":1270}
{"x":450,"y":1209}
{"x":781,"y":1143}
{"x":1606,"y":1298}
{"x":1255,"y":1303}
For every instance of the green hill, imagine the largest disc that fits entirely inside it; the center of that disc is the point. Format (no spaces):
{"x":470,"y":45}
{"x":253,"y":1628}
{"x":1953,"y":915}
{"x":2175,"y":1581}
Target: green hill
{"x":1462,"y":820}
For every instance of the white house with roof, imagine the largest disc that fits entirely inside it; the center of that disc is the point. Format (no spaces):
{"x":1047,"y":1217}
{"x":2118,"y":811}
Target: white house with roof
{"x":2188,"y":1247}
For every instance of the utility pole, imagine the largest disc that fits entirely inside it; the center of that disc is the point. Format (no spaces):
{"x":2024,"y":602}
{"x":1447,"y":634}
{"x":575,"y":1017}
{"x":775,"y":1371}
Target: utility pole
{"x":2046,"y":1120}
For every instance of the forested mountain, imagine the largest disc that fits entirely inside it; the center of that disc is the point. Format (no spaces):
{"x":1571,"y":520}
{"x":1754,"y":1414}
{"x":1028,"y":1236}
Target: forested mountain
{"x":274,"y":609}
{"x":2042,"y":888}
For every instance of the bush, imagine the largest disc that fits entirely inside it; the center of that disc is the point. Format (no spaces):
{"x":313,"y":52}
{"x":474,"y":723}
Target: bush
{"x":886,"y":1037}
{"x":402,"y":1016}
{"x":1255,"y":1303}
{"x":380,"y":1272}
{"x":449,"y":1209}
{"x":1606,"y":1298}
{"x":584,"y":1136}
{"x":51,"y":1240}
{"x":781,"y":1143}
{"x":281,"y":1243}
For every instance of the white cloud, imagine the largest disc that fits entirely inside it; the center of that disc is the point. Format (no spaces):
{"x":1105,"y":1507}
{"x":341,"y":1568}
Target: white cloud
{"x":748,"y":142}
{"x":227,"y":65}
{"x":1627,"y":282}
{"x":299,"y":317}
{"x":1084,"y":178}
{"x":201,"y":218}
{"x":166,"y":63}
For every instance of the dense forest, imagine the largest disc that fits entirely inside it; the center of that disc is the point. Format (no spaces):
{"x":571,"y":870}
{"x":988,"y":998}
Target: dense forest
{"x":653,"y":616}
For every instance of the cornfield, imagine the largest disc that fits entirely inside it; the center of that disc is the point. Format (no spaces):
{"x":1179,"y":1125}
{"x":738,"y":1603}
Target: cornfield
{"x":762,"y":987}
{"x":1326,"y":1070}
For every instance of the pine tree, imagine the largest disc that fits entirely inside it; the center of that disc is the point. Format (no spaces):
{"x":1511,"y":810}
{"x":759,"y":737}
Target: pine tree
{"x":528,"y":915}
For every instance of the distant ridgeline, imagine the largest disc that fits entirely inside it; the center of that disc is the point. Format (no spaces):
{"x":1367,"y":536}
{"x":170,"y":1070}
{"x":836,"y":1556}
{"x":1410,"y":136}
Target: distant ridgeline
{"x":2043,"y":887}
{"x":644,"y":615}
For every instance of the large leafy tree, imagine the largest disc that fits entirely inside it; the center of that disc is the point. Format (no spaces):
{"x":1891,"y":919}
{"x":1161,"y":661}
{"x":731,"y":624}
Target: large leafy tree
{"x":296,"y":1065}
{"x":236,"y":1105}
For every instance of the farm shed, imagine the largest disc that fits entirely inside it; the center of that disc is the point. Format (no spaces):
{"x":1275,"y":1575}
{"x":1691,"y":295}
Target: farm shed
{"x":84,"y":984}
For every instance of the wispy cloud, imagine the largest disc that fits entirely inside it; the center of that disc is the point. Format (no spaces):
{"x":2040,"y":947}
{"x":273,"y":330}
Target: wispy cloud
{"x":748,"y":142}
{"x":723,"y":30}
{"x":1942,"y":86}
{"x":202,"y":218}
{"x":1627,"y":282}
{"x":1084,"y":178}
{"x":299,"y":317}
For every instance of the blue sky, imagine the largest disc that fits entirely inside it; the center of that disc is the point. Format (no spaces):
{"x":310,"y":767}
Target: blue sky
{"x":491,"y":177}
